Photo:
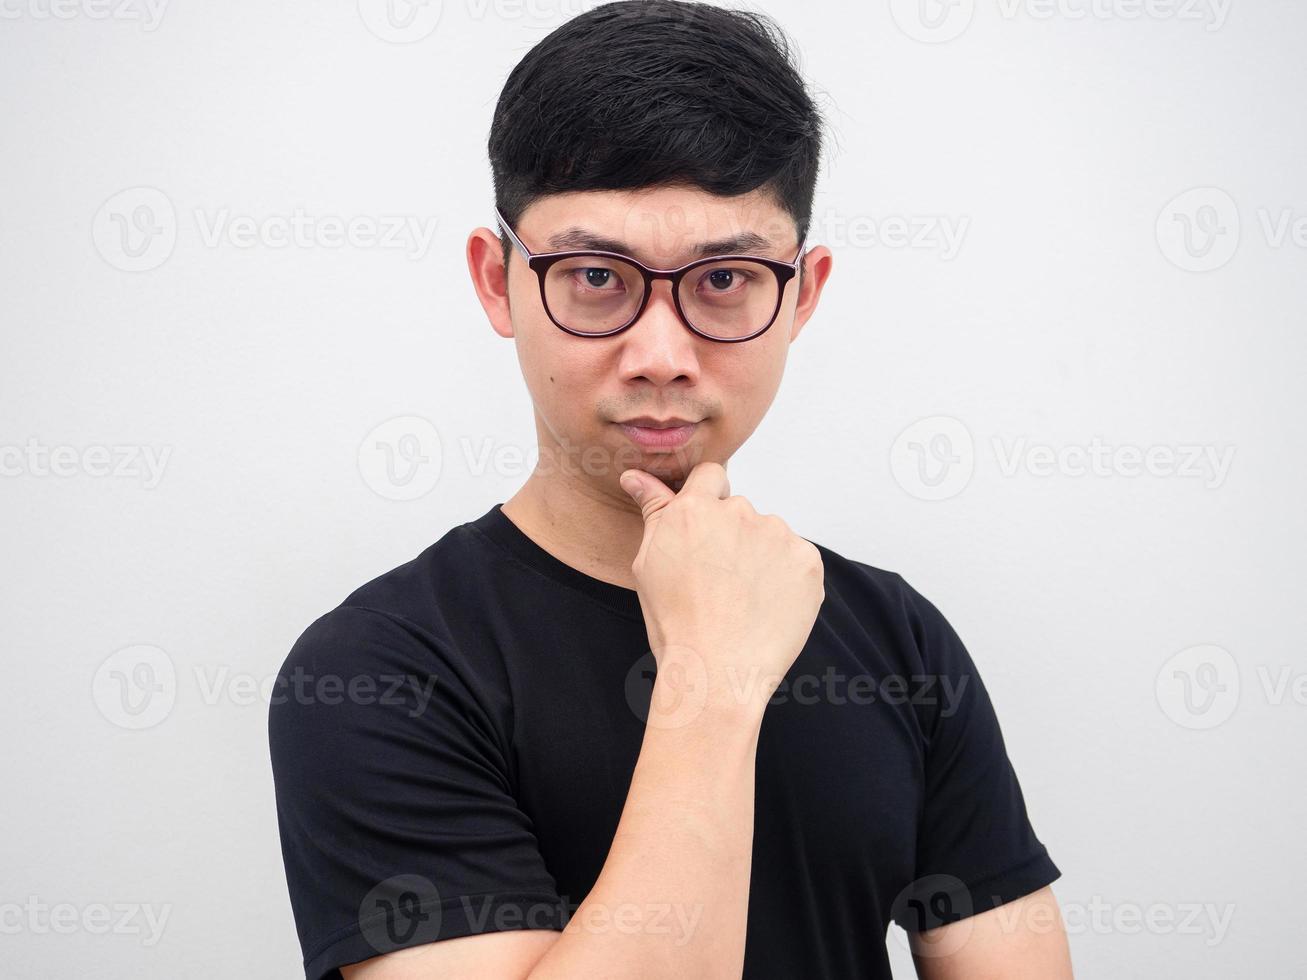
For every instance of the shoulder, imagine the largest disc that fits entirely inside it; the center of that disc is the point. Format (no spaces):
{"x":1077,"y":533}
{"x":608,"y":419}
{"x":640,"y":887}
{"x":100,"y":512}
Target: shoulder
{"x":855,"y":579}
{"x":384,"y":648}
{"x":402,"y":611}
{"x":420,"y":589}
{"x":883,"y":601}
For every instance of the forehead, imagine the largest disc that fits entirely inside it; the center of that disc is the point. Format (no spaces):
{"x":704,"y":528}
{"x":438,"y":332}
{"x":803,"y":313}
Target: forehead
{"x":662,"y":227}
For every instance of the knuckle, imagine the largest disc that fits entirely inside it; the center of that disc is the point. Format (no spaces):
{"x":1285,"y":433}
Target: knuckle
{"x":741,"y":504}
{"x":813,"y":557}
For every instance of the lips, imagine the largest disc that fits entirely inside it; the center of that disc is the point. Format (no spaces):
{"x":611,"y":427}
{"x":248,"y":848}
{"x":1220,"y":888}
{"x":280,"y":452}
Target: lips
{"x":647,"y":422}
{"x":667,"y":434}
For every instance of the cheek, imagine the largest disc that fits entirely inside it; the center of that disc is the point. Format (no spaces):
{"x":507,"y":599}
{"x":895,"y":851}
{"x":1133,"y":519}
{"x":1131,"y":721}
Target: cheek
{"x":561,"y":375}
{"x":750,"y":380}
{"x":540,"y":353}
{"x":747,"y":387}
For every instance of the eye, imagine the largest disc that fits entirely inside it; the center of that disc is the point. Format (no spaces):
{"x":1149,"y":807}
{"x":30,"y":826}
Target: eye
{"x":727,"y":278}
{"x":595,"y":277}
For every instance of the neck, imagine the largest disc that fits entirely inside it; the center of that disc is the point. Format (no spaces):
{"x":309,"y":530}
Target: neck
{"x":581,"y":525}
{"x":577,"y":511}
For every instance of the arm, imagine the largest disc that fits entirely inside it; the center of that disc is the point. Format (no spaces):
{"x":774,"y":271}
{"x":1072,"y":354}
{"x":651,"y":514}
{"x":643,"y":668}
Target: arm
{"x":975,"y":843}
{"x":726,"y":592}
{"x":1022,"y":940}
{"x":681,"y":854}
{"x":672,"y":898}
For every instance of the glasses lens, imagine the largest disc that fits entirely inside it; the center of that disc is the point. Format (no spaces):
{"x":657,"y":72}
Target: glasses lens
{"x":593,"y":293}
{"x":729,"y":299}
{"x":597,"y":294}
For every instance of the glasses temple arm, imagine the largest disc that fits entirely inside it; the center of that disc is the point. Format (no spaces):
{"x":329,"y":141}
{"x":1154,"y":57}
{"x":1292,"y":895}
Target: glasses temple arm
{"x":517,"y":242}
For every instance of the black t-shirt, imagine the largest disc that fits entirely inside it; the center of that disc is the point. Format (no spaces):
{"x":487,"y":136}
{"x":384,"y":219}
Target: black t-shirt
{"x":453,"y":744}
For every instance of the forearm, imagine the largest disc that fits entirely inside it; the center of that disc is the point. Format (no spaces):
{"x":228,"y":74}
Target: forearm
{"x":672,"y":898}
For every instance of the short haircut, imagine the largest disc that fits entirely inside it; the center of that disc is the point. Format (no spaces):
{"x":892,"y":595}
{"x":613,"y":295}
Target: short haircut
{"x":644,"y":93}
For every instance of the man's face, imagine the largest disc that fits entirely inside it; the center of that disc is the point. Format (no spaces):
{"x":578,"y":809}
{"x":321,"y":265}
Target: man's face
{"x":583,"y":387}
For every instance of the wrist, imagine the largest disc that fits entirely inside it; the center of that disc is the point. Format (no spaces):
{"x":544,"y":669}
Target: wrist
{"x":688,"y":686}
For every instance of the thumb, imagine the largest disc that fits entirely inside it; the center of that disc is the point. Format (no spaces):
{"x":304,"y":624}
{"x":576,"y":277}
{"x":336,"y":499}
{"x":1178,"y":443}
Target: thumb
{"x":646,"y":490}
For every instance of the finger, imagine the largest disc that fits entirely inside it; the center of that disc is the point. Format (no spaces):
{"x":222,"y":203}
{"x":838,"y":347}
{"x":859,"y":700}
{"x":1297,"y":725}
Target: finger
{"x":646,"y":490}
{"x":708,"y":478}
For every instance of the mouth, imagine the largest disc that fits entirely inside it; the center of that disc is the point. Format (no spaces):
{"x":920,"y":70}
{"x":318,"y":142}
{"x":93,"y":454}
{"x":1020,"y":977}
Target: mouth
{"x":651,"y":433}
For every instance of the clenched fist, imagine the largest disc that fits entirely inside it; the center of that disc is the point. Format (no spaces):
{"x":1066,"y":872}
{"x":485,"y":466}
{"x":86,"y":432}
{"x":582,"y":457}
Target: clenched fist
{"x":736,"y":588}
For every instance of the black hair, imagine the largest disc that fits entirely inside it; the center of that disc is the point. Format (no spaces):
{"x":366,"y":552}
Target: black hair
{"x":642,"y":93}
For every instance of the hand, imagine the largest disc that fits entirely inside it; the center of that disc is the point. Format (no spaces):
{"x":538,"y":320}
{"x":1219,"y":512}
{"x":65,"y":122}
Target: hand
{"x":735,"y":590}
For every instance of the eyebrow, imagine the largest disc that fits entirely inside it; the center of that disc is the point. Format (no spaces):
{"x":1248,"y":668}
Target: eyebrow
{"x":745,"y":243}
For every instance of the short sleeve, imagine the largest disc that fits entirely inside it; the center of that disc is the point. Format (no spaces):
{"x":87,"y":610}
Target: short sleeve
{"x":394,"y":798}
{"x":976,"y":848}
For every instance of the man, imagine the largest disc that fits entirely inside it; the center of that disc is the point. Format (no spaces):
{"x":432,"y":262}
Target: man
{"x":623,"y":725}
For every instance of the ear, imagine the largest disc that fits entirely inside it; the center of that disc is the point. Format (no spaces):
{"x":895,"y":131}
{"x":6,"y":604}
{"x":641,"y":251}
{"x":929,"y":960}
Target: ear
{"x":817,"y":263}
{"x":485,"y":261}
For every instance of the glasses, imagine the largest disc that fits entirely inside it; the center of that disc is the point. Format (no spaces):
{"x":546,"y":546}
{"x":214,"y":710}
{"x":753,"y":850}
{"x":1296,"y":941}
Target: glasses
{"x":725,"y":298}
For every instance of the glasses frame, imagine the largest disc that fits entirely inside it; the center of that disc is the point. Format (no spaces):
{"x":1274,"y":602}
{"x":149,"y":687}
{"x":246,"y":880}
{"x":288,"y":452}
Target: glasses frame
{"x":541,"y":262}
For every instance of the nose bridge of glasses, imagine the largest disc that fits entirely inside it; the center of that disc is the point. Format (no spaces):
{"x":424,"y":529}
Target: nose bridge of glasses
{"x":674,"y":279}
{"x":668,"y":299}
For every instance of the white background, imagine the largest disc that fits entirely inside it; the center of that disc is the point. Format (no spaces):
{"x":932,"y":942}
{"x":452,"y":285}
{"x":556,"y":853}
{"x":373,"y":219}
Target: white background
{"x":1075,"y":308}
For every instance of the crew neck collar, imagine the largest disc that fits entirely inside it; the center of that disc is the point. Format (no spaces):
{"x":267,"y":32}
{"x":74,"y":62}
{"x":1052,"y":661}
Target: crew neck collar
{"x":500,"y":529}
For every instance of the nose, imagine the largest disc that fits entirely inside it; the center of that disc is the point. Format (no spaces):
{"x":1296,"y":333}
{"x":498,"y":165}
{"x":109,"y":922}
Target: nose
{"x":658,"y":346}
